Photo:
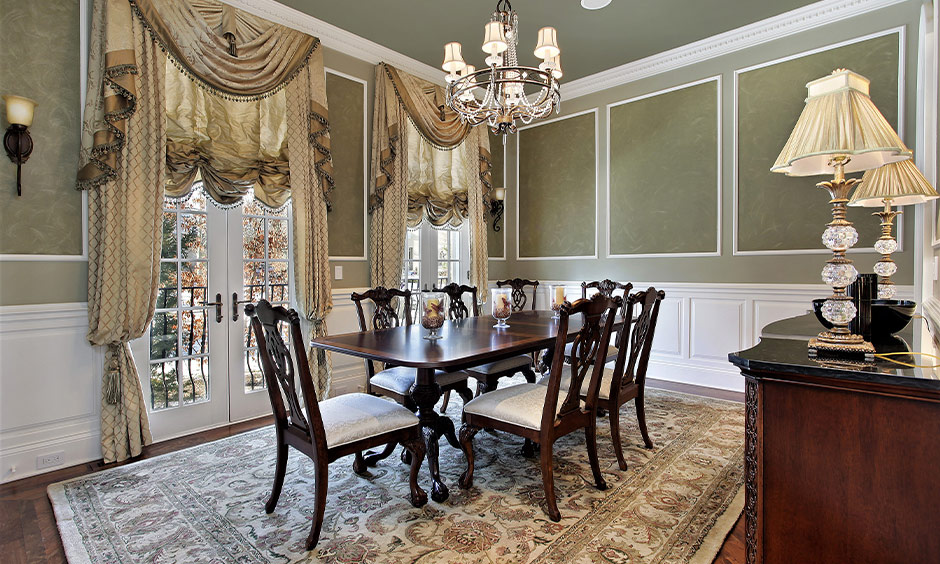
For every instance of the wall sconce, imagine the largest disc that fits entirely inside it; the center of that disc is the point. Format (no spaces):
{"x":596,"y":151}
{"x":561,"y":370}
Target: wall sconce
{"x":496,"y":206}
{"x":16,"y":141}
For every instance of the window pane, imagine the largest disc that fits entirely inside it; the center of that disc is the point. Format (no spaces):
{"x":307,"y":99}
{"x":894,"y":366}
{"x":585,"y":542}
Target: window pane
{"x":413,"y":245}
{"x":277,"y":239}
{"x":443,"y":244}
{"x":193,"y":332}
{"x":277,"y":280}
{"x":254,"y":380}
{"x":194,"y":283}
{"x":253,"y":237}
{"x":253,"y":280}
{"x":194,"y":373}
{"x":167,"y":292}
{"x":168,"y":246}
{"x":164,"y":388}
{"x":195,"y":202}
{"x":193,"y":236}
{"x":163,"y":332}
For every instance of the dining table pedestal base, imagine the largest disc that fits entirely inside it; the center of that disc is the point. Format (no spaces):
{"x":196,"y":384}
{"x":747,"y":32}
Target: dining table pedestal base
{"x":426,"y":394}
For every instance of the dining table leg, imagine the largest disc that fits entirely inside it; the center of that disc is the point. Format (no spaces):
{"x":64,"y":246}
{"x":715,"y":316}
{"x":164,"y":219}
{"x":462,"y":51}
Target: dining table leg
{"x":426,"y":393}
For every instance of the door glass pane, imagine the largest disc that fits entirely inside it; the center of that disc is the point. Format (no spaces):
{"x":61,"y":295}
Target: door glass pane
{"x":179,"y":346}
{"x":412,"y":264}
{"x":266,"y":273}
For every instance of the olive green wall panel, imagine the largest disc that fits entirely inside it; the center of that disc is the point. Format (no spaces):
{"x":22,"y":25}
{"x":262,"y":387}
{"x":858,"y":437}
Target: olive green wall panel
{"x":347,"y":137}
{"x":664,"y":172}
{"x":777,"y":212}
{"x":495,"y":240}
{"x":40,"y":60}
{"x":558,"y":188}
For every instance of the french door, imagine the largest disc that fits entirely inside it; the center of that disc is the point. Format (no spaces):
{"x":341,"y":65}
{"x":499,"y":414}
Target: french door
{"x":198,"y":362}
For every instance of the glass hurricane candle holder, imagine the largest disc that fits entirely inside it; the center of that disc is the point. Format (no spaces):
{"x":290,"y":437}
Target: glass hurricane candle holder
{"x":502,"y":306}
{"x":432,"y":313}
{"x":558,"y":298}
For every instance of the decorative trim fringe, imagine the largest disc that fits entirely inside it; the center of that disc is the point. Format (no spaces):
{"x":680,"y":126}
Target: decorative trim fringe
{"x":99,"y":153}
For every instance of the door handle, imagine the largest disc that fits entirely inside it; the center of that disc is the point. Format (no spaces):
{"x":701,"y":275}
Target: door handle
{"x":235,"y":302}
{"x":218,"y":307}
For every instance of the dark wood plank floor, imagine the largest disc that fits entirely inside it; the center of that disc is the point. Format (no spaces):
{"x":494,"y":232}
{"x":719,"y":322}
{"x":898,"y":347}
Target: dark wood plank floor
{"x":28,"y":532}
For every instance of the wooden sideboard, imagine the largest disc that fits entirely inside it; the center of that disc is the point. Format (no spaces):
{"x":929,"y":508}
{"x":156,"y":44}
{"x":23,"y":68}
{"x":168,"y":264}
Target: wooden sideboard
{"x":842,"y":463}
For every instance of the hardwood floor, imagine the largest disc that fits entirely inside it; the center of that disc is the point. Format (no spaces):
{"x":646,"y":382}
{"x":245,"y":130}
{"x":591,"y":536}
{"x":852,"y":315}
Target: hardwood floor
{"x":28,"y":532}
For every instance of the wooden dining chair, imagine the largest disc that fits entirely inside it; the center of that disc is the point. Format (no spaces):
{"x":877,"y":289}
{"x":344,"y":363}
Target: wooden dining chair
{"x":605,"y":287}
{"x":323,"y":430}
{"x":397,"y":382}
{"x":627,"y":381}
{"x":519,"y":297}
{"x":541,"y":413}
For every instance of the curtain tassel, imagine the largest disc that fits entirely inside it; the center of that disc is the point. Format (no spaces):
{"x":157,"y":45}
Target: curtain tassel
{"x":112,"y":393}
{"x":232,"y":49}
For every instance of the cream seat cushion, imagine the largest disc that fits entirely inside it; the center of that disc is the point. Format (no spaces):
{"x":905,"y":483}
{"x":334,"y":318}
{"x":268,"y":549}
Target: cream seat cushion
{"x":518,"y":362}
{"x":351,"y":417}
{"x":611,"y":352}
{"x":565,"y":383}
{"x":401,"y":379}
{"x":520,"y":405}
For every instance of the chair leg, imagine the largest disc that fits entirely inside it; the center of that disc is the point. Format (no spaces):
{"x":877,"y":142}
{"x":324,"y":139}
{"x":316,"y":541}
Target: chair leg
{"x":373,"y":458}
{"x":528,"y":448}
{"x":465,"y":394}
{"x":417,"y":448}
{"x":590,"y":435}
{"x":320,"y":487}
{"x":445,"y":401}
{"x":482,"y":387}
{"x":641,"y":419}
{"x":548,"y":482}
{"x":529,"y":374}
{"x":615,"y":437}
{"x":467,"y":433}
{"x":359,"y":464}
{"x":280,"y":470}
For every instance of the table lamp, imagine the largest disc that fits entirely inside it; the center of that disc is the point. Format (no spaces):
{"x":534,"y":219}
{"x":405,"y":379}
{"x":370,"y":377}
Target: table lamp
{"x":899,"y":184}
{"x":839,"y":131}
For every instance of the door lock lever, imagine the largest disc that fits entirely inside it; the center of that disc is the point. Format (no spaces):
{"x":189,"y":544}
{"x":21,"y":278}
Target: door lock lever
{"x":235,"y":303}
{"x":218,"y":307}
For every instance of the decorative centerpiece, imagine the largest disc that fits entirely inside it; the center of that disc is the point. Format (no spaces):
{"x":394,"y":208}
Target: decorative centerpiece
{"x":558,"y":298}
{"x":502,"y":306}
{"x":432,"y":313}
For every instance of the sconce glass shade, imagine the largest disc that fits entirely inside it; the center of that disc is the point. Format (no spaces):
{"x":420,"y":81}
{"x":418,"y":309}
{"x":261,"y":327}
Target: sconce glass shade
{"x":499,"y":194}
{"x":839,"y":119}
{"x":901,"y":183}
{"x":494,"y":38}
{"x":453,"y":61}
{"x":547,"y":46}
{"x":19,"y":110}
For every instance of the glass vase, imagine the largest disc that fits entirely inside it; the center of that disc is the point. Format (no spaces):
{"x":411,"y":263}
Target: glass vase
{"x":558,"y":297}
{"x":432,"y":313}
{"x":502,"y":306}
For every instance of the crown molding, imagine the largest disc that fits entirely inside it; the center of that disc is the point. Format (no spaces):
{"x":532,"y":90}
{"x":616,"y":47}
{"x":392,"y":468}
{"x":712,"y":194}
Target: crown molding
{"x":337,"y":38}
{"x":770,"y":29}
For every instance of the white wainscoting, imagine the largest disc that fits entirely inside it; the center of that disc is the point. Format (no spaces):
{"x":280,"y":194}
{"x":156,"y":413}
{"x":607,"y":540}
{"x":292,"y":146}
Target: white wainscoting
{"x":50,"y":375}
{"x":49,"y":388}
{"x":699,"y":324}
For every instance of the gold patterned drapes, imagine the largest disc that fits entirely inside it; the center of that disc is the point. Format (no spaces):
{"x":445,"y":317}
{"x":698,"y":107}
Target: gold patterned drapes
{"x":430,"y":178}
{"x":126,"y":158}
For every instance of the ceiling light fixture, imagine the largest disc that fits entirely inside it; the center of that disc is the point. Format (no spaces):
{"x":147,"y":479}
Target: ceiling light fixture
{"x":594,"y":4}
{"x":497,"y":94}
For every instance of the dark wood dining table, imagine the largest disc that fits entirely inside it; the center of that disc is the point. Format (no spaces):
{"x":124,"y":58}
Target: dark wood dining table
{"x":465,"y":343}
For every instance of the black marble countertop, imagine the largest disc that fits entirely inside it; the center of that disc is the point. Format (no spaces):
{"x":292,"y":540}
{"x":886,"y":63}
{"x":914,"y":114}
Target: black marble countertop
{"x":783,"y":349}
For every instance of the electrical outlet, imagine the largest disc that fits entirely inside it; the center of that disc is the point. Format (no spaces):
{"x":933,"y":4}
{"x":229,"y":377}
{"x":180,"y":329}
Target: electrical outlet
{"x":337,"y":272}
{"x":49,"y":460}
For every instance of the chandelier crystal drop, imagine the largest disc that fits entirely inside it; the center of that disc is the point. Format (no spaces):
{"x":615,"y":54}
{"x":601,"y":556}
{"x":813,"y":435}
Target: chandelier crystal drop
{"x":503,"y":91}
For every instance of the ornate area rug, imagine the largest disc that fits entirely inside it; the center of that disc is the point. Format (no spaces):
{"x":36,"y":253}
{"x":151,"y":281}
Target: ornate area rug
{"x":675,"y":503}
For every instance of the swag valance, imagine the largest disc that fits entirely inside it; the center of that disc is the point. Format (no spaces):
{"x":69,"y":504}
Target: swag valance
{"x":427,"y":164}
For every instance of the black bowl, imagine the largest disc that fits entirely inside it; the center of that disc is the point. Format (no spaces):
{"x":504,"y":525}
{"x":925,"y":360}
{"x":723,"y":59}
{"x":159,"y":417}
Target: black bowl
{"x":887,"y":316}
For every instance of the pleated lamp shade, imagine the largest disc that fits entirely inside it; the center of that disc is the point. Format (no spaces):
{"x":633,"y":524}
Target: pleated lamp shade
{"x":900,"y":182}
{"x":839,"y":119}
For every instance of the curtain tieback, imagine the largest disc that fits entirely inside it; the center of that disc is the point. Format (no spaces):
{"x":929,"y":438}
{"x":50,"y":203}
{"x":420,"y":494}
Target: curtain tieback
{"x":112,"y":365}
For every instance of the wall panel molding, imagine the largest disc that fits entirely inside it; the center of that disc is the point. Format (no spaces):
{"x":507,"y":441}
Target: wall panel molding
{"x":795,"y":21}
{"x":810,"y":181}
{"x":718,"y":179}
{"x":597,"y":187}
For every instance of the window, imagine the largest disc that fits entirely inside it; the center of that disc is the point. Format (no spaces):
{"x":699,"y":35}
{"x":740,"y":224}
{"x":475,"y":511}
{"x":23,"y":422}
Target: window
{"x":435,"y":257}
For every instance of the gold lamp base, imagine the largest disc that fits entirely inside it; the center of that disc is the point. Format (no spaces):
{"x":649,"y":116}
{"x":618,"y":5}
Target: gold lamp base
{"x":841,"y":344}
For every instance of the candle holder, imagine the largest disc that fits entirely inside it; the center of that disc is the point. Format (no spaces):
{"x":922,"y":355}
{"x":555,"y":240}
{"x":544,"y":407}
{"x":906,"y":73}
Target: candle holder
{"x":502,"y":306}
{"x":558,"y":298}
{"x":432,"y":313}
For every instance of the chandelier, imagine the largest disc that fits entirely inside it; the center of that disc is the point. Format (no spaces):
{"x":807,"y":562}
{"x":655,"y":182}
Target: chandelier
{"x":504,"y":91}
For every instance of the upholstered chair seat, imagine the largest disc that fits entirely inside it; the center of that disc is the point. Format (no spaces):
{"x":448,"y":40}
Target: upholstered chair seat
{"x":513,"y":363}
{"x":604,"y":392}
{"x":611,"y":352}
{"x":519,"y":405}
{"x":352,"y":417}
{"x":401,"y":379}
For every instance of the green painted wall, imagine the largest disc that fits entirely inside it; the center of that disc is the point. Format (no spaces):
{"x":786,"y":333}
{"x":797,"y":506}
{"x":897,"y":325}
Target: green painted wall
{"x":496,"y":239}
{"x":40,"y":60}
{"x":767,"y":268}
{"x":557,"y":188}
{"x":346,"y":220}
{"x":665,"y":201}
{"x":776,"y":211}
